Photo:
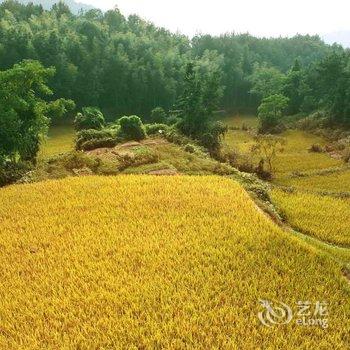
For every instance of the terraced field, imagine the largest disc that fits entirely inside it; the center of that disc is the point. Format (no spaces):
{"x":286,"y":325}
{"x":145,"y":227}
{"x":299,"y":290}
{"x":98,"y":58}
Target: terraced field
{"x":155,"y":262}
{"x":337,"y":181}
{"x":295,"y":156}
{"x":323,"y":217}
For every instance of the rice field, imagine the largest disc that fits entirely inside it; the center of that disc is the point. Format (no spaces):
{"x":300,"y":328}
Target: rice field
{"x":144,"y":262}
{"x":338,"y":181}
{"x":295,"y":156}
{"x":323,"y":217}
{"x":60,"y":139}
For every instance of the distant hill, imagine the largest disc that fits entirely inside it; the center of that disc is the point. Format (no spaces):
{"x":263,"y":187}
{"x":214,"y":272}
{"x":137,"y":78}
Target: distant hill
{"x":74,"y":6}
{"x":340,"y":37}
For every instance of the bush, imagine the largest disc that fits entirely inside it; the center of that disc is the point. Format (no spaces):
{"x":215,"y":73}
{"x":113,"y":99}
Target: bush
{"x":141,"y":156}
{"x":85,"y":136}
{"x":211,"y":139}
{"x":11,"y":172}
{"x":76,"y":160}
{"x":158,"y":115}
{"x":98,"y":143}
{"x":131,"y":128}
{"x":317,"y":148}
{"x":156,"y":129}
{"x":172,"y":120}
{"x":190,"y":148}
{"x":90,"y":118}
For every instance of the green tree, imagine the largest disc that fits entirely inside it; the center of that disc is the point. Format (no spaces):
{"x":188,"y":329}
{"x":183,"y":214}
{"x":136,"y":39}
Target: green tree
{"x":271,"y":110}
{"x":293,"y":88}
{"x":158,"y":115}
{"x":24,"y":113}
{"x":267,"y":81}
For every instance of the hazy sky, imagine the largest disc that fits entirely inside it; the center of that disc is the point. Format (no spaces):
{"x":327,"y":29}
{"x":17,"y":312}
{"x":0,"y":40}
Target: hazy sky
{"x":259,"y":17}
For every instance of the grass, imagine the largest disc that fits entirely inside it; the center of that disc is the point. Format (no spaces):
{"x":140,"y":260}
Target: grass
{"x":60,"y":139}
{"x":323,"y":217}
{"x":155,"y":262}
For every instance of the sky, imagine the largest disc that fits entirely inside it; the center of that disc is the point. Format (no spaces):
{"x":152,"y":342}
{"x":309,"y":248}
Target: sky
{"x":258,"y":17}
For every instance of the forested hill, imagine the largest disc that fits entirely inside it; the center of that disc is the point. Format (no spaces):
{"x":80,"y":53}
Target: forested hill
{"x":74,"y":6}
{"x":128,"y":65}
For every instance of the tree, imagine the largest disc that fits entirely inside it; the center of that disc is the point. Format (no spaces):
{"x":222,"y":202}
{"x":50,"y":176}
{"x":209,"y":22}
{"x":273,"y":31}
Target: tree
{"x":24,"y":113}
{"x":267,"y":148}
{"x":271,"y":110}
{"x":293,"y":88}
{"x":90,"y":118}
{"x":201,"y":96}
{"x":158,"y":115}
{"x":267,"y":81}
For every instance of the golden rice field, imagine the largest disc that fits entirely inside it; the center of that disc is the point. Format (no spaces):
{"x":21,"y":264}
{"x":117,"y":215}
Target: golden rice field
{"x":333,"y":182}
{"x":323,"y":217}
{"x":295,"y":156}
{"x":142,"y":262}
{"x":60,"y":139}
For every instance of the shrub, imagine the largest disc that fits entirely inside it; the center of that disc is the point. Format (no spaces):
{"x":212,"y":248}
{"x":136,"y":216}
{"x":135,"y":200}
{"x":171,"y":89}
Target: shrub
{"x":76,"y":160}
{"x":156,"y":129}
{"x":317,"y":148}
{"x":140,"y":156}
{"x":158,"y":115}
{"x":172,"y":120}
{"x":190,"y":148}
{"x":223,"y":169}
{"x":174,"y":136}
{"x":90,"y":118}
{"x":131,"y":128}
{"x":98,"y":143}
{"x":11,"y":172}
{"x":211,"y":139}
{"x":84,"y":136}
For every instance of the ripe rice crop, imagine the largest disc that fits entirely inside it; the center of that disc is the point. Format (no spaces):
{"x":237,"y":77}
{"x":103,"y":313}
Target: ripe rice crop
{"x":142,"y":262}
{"x":297,"y":157}
{"x":333,"y":182}
{"x":323,"y":217}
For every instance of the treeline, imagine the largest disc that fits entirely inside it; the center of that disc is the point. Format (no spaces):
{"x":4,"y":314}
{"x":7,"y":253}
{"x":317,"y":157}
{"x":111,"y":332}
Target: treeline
{"x":129,"y":66}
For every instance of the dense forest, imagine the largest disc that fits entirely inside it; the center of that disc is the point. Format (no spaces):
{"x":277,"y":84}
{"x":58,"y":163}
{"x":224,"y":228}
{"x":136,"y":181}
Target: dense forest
{"x":129,"y":66}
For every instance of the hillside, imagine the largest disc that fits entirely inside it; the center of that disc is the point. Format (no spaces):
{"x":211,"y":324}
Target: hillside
{"x":155,"y":262}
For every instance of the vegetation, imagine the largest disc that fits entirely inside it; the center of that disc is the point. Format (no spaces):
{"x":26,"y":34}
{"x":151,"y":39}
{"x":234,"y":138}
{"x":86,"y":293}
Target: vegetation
{"x":131,"y":128}
{"x":128,"y":66}
{"x":267,"y":148}
{"x":90,"y":118}
{"x":24,"y":114}
{"x":60,"y":139}
{"x":333,"y":180}
{"x":323,"y":217}
{"x":270,"y":111}
{"x":95,"y":260}
{"x":154,"y":285}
